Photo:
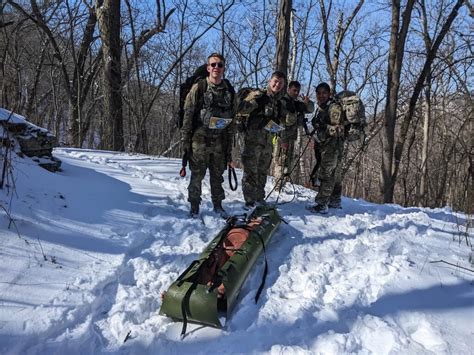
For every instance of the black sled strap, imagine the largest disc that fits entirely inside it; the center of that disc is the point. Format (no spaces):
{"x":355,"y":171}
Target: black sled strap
{"x":265,"y":271}
{"x":180,"y":277}
{"x":184,"y":306}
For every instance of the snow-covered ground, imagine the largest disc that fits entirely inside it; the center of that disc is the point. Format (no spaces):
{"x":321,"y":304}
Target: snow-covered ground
{"x":100,"y":241}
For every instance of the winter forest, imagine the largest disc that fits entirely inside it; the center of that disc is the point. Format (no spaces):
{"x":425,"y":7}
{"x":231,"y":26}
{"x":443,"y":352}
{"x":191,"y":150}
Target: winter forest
{"x":108,"y":246}
{"x":105,"y":74}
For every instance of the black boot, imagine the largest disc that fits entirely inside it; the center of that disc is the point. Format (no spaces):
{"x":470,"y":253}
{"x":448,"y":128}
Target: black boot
{"x":220,"y":211}
{"x":194,"y":212}
{"x":335,"y":204}
{"x":249,"y":205}
{"x":321,"y":208}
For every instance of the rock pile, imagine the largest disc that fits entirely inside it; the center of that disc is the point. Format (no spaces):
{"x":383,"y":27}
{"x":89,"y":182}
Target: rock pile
{"x":33,"y":141}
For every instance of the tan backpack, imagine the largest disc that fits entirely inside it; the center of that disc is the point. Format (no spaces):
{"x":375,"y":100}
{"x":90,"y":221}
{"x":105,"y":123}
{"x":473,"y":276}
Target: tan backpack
{"x":347,"y":115}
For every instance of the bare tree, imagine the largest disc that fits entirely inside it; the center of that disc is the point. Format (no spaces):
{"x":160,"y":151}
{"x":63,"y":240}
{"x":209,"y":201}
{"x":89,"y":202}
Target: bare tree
{"x":108,"y":15}
{"x":395,"y":60}
{"x":138,"y":42}
{"x":283,"y":36}
{"x":78,"y":83}
{"x":333,"y":59}
{"x":408,"y":115}
{"x":422,"y":194}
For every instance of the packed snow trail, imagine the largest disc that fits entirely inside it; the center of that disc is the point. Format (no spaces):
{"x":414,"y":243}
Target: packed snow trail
{"x":357,"y":280}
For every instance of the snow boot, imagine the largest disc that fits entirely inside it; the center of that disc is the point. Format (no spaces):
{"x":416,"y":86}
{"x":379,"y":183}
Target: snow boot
{"x":335,"y":204}
{"x":321,"y":208}
{"x":249,"y":205}
{"x":194,"y":212}
{"x":220,"y":211}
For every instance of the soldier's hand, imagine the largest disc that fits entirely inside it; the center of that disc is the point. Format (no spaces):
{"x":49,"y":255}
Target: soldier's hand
{"x":305,"y":99}
{"x":316,"y":138}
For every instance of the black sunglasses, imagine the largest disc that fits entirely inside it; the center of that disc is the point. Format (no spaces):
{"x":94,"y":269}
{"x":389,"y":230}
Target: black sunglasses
{"x":219,"y":65}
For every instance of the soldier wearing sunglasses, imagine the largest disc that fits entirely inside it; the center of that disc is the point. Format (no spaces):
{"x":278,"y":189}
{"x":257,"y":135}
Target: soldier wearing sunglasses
{"x":207,"y":133}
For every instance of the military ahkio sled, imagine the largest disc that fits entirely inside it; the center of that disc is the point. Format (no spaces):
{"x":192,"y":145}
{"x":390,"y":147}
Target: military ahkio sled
{"x":209,"y":287}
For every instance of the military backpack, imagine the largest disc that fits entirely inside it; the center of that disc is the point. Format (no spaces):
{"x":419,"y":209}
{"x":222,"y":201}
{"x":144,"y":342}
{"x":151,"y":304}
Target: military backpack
{"x":184,"y":88}
{"x":347,"y":116}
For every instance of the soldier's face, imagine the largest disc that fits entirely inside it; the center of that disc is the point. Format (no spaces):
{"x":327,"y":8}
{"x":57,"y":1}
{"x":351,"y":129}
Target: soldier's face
{"x":276,"y":84}
{"x":293,"y":92}
{"x":322,"y":96}
{"x":215,"y":67}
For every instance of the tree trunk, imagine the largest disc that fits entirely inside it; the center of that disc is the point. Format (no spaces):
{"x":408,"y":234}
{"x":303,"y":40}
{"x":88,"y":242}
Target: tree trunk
{"x":395,"y":60}
{"x":73,"y":125}
{"x":426,"y":138}
{"x":283,"y":36}
{"x":294,"y":48}
{"x":422,"y":198}
{"x":281,"y":58}
{"x":108,"y":13}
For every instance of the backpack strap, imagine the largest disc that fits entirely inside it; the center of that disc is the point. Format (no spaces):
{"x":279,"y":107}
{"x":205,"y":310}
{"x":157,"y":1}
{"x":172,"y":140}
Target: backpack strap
{"x":201,"y":90}
{"x":230,"y":88}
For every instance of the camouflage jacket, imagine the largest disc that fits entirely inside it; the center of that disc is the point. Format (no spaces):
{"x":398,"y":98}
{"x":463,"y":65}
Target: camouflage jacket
{"x":206,"y":100}
{"x":301,"y":109}
{"x":262,"y":107}
{"x":327,"y":122}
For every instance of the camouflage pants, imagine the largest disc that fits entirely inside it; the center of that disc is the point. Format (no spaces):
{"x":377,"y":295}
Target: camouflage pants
{"x":207,"y":156}
{"x":283,"y":159}
{"x":330,"y":172}
{"x":256,"y":159}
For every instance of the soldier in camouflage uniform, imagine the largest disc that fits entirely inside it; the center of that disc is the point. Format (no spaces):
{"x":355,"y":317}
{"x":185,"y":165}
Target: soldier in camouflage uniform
{"x":285,"y":151}
{"x":207,"y":133}
{"x":263,"y":117}
{"x":329,"y":137}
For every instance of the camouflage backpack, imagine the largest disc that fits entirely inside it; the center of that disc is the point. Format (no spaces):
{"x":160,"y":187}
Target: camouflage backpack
{"x":348,"y":113}
{"x":240,"y":96}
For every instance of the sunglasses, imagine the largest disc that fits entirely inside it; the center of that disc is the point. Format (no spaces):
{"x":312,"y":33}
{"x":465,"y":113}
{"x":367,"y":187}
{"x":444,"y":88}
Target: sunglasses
{"x":219,"y":65}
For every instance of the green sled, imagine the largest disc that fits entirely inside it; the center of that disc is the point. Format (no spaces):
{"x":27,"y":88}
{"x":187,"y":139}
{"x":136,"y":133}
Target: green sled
{"x":188,"y":300}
